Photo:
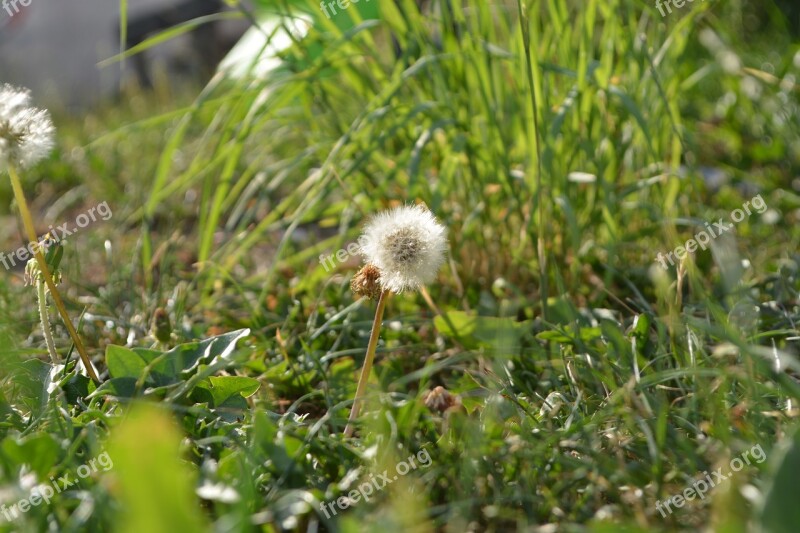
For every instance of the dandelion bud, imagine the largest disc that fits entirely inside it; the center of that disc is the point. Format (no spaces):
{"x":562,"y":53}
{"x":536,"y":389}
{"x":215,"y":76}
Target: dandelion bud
{"x":161,"y":328}
{"x":366,"y":282}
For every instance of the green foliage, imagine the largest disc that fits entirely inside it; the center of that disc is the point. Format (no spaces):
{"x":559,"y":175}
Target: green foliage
{"x":614,"y":136}
{"x":174,"y":373}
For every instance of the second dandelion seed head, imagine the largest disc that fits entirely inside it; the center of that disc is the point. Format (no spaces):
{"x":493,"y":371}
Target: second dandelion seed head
{"x":26,"y":132}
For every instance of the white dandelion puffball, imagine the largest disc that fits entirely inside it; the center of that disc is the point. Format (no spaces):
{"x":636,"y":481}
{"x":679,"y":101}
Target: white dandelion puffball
{"x":26,"y":133}
{"x":407,"y":244}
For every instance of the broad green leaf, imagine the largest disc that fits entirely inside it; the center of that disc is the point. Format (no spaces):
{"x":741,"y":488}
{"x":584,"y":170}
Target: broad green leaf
{"x":224,"y":388}
{"x":33,"y":378}
{"x":184,"y":358}
{"x":119,"y":387}
{"x":124,"y":363}
{"x":167,"y":367}
{"x":78,"y":386}
{"x":221,"y":347}
{"x":203,"y":359}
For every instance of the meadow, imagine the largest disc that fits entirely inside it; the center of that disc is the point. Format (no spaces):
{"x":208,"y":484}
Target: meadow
{"x":555,"y":375}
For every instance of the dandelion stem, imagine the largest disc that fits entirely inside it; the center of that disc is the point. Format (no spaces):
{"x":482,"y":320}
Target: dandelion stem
{"x":48,"y":335}
{"x":365,"y":370}
{"x":27,"y":222}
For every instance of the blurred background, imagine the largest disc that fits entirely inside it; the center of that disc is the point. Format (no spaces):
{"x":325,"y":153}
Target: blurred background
{"x":55,"y":47}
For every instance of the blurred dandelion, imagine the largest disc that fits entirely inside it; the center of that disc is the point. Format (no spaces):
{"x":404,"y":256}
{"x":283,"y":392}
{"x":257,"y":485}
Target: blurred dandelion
{"x":26,"y":133}
{"x":26,"y":137}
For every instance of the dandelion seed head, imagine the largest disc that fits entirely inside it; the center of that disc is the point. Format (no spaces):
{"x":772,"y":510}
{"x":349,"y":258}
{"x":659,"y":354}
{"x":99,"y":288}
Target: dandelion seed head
{"x":407,"y":244}
{"x":26,"y":132}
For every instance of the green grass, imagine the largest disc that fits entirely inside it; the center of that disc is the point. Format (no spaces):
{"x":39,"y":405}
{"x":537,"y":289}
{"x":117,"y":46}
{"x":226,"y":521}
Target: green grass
{"x":224,"y":199}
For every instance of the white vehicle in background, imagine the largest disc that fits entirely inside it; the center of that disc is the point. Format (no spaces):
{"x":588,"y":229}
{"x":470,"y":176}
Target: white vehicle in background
{"x":65,"y":50}
{"x":54,"y":46}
